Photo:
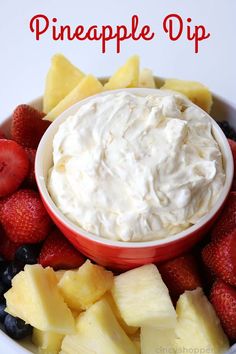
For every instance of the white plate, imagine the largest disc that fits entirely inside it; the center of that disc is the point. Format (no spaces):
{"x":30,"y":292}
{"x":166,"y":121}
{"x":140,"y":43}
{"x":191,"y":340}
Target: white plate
{"x":222,"y":110}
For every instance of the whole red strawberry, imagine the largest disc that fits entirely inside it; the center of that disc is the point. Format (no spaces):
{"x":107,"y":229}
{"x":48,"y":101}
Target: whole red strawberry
{"x":7,"y":247}
{"x":58,"y":253}
{"x":28,"y":126}
{"x":30,"y":180}
{"x":227,"y":220}
{"x":220,"y":257}
{"x":24,"y":217}
{"x":232,"y":144}
{"x":223,"y":298}
{"x":180,"y":274}
{"x":2,"y":135}
{"x":14,"y":166}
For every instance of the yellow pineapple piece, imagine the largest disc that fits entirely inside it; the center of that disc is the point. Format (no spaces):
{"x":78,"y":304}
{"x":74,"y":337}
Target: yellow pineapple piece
{"x":47,"y":342}
{"x":83,"y":287}
{"x":59,"y":274}
{"x":88,"y":86}
{"x":135,"y":337}
{"x":35,"y":298}
{"x":198,"y":326}
{"x":126,"y":76}
{"x":143,"y":299}
{"x":129,"y":330}
{"x":98,"y":332}
{"x":154,"y":340}
{"x":195,"y":91}
{"x":62,"y":77}
{"x":146,"y":79}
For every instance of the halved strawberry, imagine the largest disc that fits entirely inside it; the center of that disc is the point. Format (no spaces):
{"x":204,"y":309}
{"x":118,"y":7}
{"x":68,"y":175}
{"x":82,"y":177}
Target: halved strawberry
{"x":30,"y":180}
{"x":227,"y":220}
{"x":223,"y":298}
{"x":14,"y":166}
{"x":180,"y":274}
{"x":58,"y":253}
{"x":28,"y":126}
{"x":220,"y":257}
{"x":24,"y":217}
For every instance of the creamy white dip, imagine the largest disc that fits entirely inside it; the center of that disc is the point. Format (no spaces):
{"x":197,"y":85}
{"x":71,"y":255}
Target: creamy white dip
{"x":135,"y":168}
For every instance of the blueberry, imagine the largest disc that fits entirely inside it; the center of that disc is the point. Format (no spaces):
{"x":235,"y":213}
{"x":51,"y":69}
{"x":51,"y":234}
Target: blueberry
{"x":2,"y":312}
{"x":16,"y":328}
{"x":10,"y":271}
{"x":27,"y":254}
{"x":2,"y":261}
{"x":3,"y":289}
{"x":228,"y":130}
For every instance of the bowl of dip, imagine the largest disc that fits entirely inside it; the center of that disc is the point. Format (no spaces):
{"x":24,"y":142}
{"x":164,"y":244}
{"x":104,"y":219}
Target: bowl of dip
{"x":134,"y":176}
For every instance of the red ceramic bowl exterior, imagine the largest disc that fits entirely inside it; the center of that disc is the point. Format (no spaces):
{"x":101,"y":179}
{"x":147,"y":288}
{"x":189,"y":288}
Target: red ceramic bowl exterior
{"x":123,"y":258}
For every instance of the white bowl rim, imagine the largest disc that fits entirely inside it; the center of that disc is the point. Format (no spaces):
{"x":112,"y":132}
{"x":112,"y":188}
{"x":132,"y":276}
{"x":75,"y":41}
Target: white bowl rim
{"x":123,"y":244}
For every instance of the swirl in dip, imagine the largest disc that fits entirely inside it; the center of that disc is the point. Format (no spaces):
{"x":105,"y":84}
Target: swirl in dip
{"x":136,"y":168}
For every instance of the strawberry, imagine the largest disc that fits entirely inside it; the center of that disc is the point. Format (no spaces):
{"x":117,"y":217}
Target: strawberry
{"x":7,"y":247}
{"x":180,"y":274}
{"x":58,"y":253}
{"x":2,"y":135}
{"x":30,"y":179}
{"x":220,"y":257}
{"x":24,"y":217}
{"x":223,"y":298}
{"x":28,"y":126}
{"x":232,"y":144}
{"x":227,"y":221}
{"x":14,"y":166}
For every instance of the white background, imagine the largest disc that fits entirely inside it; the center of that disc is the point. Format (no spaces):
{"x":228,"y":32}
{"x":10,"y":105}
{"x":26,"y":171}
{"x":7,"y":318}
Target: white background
{"x":24,"y":62}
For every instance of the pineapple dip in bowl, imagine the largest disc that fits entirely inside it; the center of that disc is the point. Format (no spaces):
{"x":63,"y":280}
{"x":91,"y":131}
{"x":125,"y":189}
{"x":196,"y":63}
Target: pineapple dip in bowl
{"x":134,"y":175}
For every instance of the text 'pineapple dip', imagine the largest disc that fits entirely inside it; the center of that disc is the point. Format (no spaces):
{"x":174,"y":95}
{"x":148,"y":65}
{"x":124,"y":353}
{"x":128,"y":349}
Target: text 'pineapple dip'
{"x":135,"y":168}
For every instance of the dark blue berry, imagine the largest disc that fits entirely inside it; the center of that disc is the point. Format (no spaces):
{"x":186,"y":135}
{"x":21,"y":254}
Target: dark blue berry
{"x":228,"y":130}
{"x":16,"y":328}
{"x":3,"y":289}
{"x":27,"y":254}
{"x":2,"y":260}
{"x":10,"y":271}
{"x":2,"y":312}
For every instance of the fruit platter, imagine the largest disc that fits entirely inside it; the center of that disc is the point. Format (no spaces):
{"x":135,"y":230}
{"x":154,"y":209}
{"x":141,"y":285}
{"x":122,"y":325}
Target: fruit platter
{"x":118,"y":217}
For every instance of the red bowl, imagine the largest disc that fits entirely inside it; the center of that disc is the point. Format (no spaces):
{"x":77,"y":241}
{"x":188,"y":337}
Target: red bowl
{"x":117,"y":254}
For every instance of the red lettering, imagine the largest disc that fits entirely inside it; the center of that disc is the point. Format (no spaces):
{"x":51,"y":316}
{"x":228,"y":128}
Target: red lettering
{"x":92,"y":34}
{"x":78,"y":32}
{"x":145,"y":32}
{"x":39,"y":24}
{"x":169,"y":27}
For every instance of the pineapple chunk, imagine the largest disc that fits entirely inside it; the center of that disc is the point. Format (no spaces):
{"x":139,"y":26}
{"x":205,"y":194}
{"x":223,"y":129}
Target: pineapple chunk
{"x":35,"y":298}
{"x":198,"y":326}
{"x":62,"y":77}
{"x":143,"y":299}
{"x":146,"y":79}
{"x":47,"y":342}
{"x":98,"y":332}
{"x":195,"y":91}
{"x":126,"y":76}
{"x":129,"y":330}
{"x":136,"y":340}
{"x":155,"y":340}
{"x":83,"y":287}
{"x":88,"y":86}
{"x":59,"y":274}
